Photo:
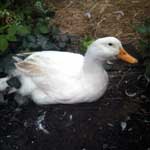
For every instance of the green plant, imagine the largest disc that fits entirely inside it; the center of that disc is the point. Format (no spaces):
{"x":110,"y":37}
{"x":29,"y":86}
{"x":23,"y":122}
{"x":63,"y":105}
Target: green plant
{"x":144,"y":43}
{"x":85,"y":42}
{"x":9,"y":33}
{"x":21,"y":20}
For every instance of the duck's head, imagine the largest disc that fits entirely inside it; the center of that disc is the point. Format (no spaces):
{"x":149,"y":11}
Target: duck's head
{"x":109,"y":48}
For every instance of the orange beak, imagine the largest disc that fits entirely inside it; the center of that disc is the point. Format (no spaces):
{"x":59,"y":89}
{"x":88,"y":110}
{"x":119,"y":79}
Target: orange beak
{"x":123,"y":55}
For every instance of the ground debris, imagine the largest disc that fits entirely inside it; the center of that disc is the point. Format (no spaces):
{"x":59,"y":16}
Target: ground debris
{"x":123,"y":125}
{"x":39,"y":123}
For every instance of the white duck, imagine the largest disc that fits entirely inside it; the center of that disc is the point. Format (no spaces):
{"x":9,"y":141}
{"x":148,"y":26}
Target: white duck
{"x":52,"y":77}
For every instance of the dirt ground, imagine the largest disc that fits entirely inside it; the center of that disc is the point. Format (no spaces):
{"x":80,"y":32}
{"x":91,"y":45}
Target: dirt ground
{"x":98,"y":18}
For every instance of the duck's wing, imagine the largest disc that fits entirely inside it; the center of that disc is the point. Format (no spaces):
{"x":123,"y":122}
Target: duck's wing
{"x":29,"y":68}
{"x":47,"y":62}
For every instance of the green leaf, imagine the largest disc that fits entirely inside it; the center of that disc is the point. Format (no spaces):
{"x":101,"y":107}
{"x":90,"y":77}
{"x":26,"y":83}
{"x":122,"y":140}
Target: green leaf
{"x":44,"y":29}
{"x":11,"y":37}
{"x":12,"y":29}
{"x":54,"y":30}
{"x":142,"y":29}
{"x":85,"y":43}
{"x":3,"y":43}
{"x":23,"y":30}
{"x":143,"y":44}
{"x":148,"y":29}
{"x":31,"y":38}
{"x":3,"y":28}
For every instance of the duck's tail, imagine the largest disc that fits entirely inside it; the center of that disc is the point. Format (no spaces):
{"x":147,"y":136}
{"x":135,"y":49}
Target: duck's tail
{"x":21,"y":56}
{"x":11,"y":82}
{"x":17,"y":59}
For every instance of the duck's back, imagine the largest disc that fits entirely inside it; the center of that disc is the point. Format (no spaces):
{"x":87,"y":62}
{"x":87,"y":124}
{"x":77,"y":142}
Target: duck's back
{"x":63,"y":62}
{"x":54,"y":75}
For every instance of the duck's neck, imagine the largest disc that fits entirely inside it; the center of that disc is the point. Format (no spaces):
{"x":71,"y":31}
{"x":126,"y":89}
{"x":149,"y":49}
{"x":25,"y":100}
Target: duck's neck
{"x":93,"y":65}
{"x":94,"y":73}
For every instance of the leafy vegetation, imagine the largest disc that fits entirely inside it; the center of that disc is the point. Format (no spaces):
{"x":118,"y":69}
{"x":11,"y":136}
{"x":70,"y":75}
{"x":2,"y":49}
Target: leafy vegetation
{"x":85,"y":42}
{"x":144,"y":42}
{"x":25,"y":24}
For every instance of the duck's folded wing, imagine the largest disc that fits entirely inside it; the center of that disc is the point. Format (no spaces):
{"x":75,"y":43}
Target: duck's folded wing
{"x":29,"y":68}
{"x":51,"y":63}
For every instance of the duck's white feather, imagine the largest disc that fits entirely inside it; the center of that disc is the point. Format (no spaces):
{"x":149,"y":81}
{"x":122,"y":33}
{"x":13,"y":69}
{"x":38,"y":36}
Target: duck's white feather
{"x":57,"y":77}
{"x":52,"y":62}
{"x":52,"y":77}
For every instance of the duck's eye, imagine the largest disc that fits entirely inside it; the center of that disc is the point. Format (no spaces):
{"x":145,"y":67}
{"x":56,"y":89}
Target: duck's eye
{"x":110,"y":44}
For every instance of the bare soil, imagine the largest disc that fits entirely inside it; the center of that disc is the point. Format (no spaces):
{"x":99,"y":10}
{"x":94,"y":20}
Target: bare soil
{"x":100,"y":18}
